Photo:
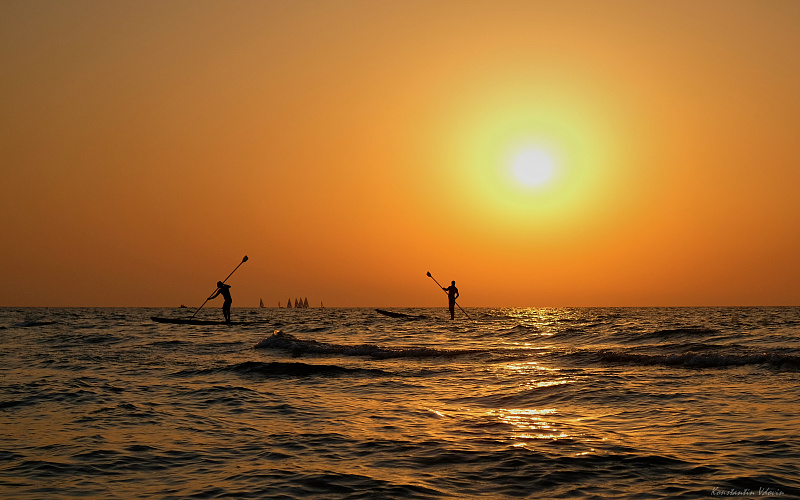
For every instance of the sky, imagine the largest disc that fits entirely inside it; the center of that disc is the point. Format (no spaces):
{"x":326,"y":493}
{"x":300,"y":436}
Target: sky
{"x":349,"y":147}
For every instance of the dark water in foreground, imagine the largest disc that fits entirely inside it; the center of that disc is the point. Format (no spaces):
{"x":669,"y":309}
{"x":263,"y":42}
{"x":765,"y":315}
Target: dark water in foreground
{"x":519,"y":403}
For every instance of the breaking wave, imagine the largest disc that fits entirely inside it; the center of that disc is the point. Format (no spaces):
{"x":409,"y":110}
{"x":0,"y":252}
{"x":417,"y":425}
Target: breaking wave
{"x":299,"y":347}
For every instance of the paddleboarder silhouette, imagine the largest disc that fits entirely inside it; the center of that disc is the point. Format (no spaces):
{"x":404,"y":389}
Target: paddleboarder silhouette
{"x":452,"y":295}
{"x":225,"y":291}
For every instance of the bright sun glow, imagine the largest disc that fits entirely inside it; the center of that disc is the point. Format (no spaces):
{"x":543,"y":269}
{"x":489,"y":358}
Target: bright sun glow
{"x":518,"y":161}
{"x":533,"y":167}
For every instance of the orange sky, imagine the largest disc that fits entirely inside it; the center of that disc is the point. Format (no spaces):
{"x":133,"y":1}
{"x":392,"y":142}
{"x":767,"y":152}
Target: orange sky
{"x":348,"y":147}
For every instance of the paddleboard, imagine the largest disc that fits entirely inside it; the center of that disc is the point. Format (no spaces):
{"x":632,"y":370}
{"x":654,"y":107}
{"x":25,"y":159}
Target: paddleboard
{"x":398,"y":315}
{"x":26,"y":324}
{"x":181,"y":321}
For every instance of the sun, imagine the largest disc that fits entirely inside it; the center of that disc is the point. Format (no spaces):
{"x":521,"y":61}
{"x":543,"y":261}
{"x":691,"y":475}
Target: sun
{"x":532,"y":168}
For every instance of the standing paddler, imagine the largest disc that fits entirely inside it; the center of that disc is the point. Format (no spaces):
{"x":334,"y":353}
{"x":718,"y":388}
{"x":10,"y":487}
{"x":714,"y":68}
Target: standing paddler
{"x":225,"y":291}
{"x":452,"y":295}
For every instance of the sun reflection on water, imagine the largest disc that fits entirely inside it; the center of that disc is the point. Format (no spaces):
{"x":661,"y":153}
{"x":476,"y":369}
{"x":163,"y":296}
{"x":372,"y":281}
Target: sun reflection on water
{"x":533,"y":424}
{"x":529,"y":367}
{"x":529,"y":424}
{"x":545,"y":375}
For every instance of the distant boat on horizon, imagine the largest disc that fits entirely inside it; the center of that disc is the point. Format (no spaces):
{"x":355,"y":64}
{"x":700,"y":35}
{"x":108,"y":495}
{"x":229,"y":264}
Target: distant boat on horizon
{"x":261,"y":303}
{"x":299,"y":304}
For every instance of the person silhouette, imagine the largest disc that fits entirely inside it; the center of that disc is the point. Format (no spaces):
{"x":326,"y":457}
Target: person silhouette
{"x":225,"y":291}
{"x":452,"y":295}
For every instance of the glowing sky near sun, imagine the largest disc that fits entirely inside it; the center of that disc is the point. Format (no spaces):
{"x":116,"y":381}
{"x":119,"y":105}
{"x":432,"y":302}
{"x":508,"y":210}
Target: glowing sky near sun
{"x":349,"y":147}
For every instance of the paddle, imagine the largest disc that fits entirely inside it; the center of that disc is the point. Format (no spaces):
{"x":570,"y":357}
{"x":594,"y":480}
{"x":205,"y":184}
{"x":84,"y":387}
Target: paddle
{"x":445,"y":291}
{"x":223,"y":281}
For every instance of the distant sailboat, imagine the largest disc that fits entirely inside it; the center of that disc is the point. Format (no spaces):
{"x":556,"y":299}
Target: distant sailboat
{"x":299,"y":303}
{"x":261,"y":303}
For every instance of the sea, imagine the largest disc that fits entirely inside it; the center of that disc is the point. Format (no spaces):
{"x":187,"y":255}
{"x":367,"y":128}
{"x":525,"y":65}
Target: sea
{"x":348,"y":403}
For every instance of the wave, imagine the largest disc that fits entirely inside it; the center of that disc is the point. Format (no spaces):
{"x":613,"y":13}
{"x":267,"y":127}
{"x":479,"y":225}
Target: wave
{"x":518,"y":329}
{"x":682,"y":332}
{"x":694,"y":359}
{"x":299,"y":347}
{"x":277,"y":369}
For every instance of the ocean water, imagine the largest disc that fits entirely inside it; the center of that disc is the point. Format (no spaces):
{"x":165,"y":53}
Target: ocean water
{"x":348,"y":403}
